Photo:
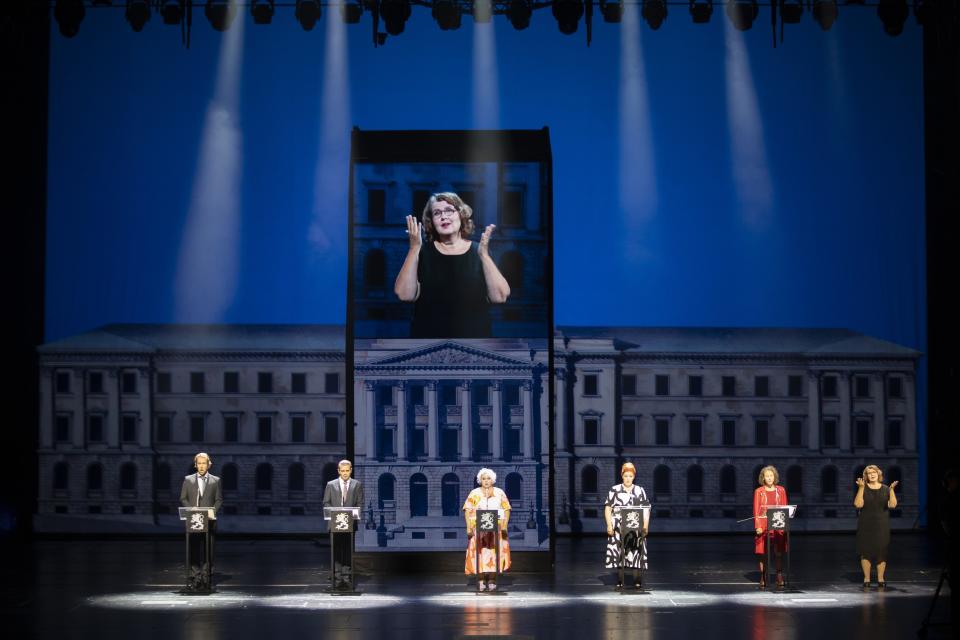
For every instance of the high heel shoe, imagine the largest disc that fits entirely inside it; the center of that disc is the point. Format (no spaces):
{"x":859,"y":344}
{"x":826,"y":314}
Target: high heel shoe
{"x":780,"y":582}
{"x":881,"y":586}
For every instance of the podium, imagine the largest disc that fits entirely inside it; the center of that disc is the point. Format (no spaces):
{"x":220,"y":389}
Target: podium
{"x":488,"y":522}
{"x":341,"y":527}
{"x":631,"y":522}
{"x":198,"y":521}
{"x":778,"y":520}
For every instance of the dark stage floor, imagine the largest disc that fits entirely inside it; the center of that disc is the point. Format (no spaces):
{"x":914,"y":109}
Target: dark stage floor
{"x":700,"y":587}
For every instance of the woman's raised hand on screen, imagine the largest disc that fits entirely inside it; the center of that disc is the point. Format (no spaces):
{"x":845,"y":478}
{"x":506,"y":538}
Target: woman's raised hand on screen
{"x":414,"y":230}
{"x":485,"y":240}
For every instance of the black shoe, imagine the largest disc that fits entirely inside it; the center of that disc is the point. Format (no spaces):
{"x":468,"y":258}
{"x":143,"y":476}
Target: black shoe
{"x":881,"y":586}
{"x":637,"y":585}
{"x":866,"y":586}
{"x":619,"y":585}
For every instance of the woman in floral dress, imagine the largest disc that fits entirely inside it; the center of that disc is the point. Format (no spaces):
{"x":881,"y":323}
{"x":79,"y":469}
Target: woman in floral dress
{"x":487,"y":496}
{"x":634,"y":546}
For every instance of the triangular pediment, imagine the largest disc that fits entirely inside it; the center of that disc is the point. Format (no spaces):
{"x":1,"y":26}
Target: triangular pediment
{"x":447,"y":355}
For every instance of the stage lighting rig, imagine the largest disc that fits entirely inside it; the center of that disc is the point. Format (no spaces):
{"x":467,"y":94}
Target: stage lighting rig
{"x":791,"y":11}
{"x":308,"y":13}
{"x":171,"y":11}
{"x":612,"y":10}
{"x":701,"y":11}
{"x":262,"y":11}
{"x":69,"y":14}
{"x":893,"y":14}
{"x":742,"y":13}
{"x":447,"y":14}
{"x":351,"y":12}
{"x":654,"y":12}
{"x":395,"y":14}
{"x":220,"y":13}
{"x":519,"y":13}
{"x":137,"y":14}
{"x":568,"y":14}
{"x":825,"y":12}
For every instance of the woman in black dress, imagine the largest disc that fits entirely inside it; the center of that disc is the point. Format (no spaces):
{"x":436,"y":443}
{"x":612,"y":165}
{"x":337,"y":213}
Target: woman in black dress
{"x":451,"y":280}
{"x":873,"y":502}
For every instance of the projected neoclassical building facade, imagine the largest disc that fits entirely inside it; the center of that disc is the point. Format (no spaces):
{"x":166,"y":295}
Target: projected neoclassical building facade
{"x":124,"y":408}
{"x":700,"y":411}
{"x":430,"y":415}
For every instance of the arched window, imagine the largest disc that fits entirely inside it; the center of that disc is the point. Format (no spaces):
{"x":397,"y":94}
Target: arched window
{"x":728,"y":479}
{"x":61,"y":476}
{"x":162,"y":480}
{"x":450,"y":494}
{"x":418,"y":495}
{"x":128,"y":477}
{"x":329,"y":473}
{"x":513,"y":486}
{"x":95,"y":477}
{"x":695,"y":479}
{"x":230,"y":477}
{"x":511,"y":266}
{"x":295,"y":475}
{"x":661,"y":479}
{"x":375,"y":269}
{"x":794,"y":484}
{"x":386,"y":488}
{"x":828,"y":480}
{"x":589,"y":479}
{"x":264,"y":477}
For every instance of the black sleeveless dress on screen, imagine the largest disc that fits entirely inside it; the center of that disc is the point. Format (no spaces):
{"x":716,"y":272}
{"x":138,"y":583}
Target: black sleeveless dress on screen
{"x":453,"y":295}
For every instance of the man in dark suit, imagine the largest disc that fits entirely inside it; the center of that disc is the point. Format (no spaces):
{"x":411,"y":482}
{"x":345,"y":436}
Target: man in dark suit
{"x":343,"y":491}
{"x":201,"y":489}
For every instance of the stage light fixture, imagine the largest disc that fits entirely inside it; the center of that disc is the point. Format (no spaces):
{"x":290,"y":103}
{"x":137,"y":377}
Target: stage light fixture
{"x":395,"y":14}
{"x":69,"y":14}
{"x":791,"y":11}
{"x":742,"y":13}
{"x":137,"y":14}
{"x":171,"y":11}
{"x":893,"y":14}
{"x":519,"y":13}
{"x":825,"y":12}
{"x":262,"y":11}
{"x":308,"y":13}
{"x":447,"y":14}
{"x":568,"y":14}
{"x":654,"y":12}
{"x":612,"y":11}
{"x":351,"y":12}
{"x":482,"y":11}
{"x":220,"y":13}
{"x":701,"y":11}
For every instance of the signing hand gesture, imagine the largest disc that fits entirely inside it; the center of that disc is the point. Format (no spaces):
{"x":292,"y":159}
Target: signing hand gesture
{"x":893,"y":485}
{"x":485,"y":240}
{"x":414,"y":229}
{"x":860,"y":482}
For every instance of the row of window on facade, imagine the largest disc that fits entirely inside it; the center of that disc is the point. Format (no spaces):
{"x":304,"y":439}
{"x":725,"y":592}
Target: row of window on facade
{"x":763,"y":386}
{"x":726,"y":482}
{"x":263,"y":482}
{"x":630,"y":432}
{"x":198,"y":428}
{"x":447,"y":393}
{"x":197,"y":382}
{"x":449,"y":442}
{"x":510,"y":210}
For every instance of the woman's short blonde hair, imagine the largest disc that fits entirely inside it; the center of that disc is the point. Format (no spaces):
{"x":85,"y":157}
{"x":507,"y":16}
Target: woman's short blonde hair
{"x":875,"y":468}
{"x":465,"y":211}
{"x":776,"y":474}
{"x":489,"y":472}
{"x":628,"y":466}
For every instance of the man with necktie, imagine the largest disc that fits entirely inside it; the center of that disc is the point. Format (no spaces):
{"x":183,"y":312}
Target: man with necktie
{"x":343,"y":491}
{"x":201,"y":489}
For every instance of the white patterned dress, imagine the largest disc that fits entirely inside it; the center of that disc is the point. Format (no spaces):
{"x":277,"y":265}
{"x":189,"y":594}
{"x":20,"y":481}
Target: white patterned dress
{"x":636,"y":551}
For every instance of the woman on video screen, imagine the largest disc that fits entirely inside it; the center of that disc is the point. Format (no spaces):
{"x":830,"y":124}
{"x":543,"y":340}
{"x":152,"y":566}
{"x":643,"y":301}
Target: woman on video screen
{"x":450,"y":279}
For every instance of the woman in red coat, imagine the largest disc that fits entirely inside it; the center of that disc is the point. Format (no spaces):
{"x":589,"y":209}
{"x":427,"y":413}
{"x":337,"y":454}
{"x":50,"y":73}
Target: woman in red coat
{"x":768,"y":493}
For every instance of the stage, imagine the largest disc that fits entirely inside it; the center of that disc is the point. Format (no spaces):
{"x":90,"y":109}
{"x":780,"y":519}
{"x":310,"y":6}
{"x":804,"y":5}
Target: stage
{"x":698,"y":586}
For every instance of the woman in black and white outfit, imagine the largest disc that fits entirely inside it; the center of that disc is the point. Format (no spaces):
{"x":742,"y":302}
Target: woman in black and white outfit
{"x":634,"y":546}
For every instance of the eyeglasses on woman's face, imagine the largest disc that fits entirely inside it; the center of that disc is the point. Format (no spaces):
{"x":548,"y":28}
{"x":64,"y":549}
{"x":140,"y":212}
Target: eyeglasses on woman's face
{"x":447,"y":212}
